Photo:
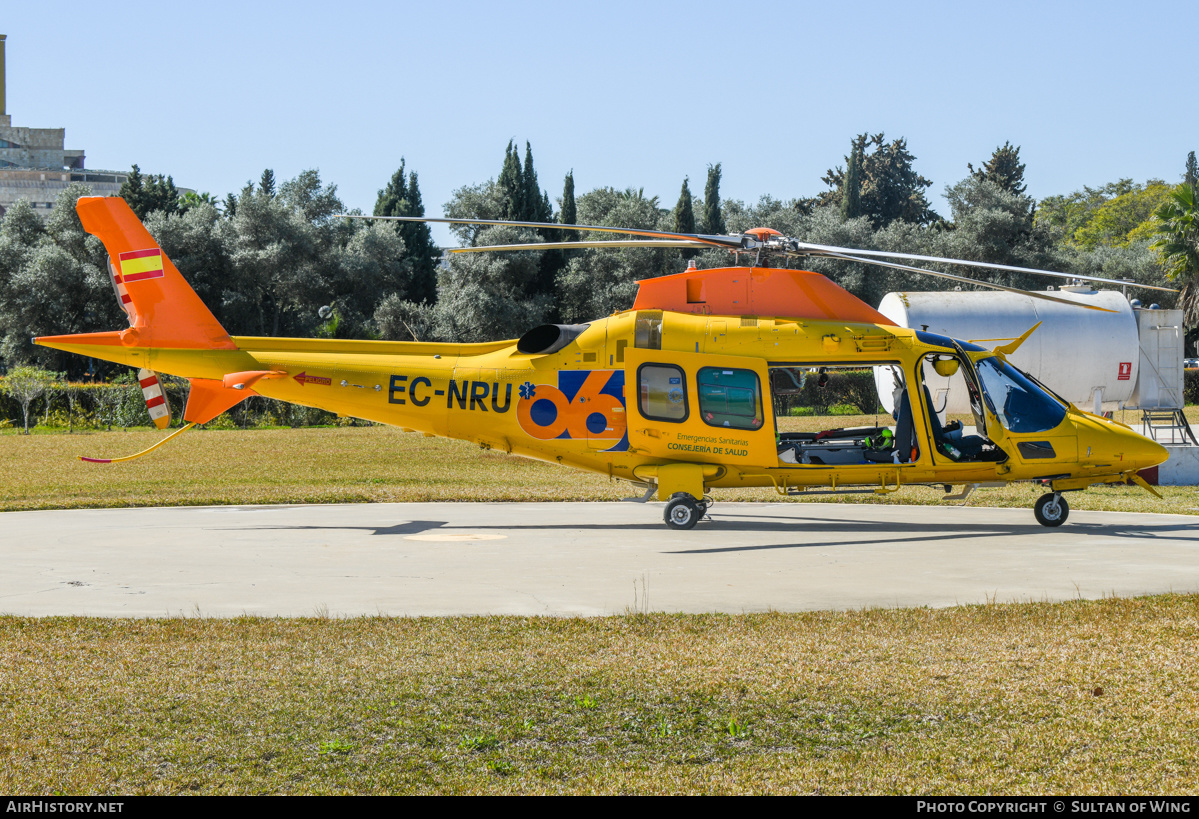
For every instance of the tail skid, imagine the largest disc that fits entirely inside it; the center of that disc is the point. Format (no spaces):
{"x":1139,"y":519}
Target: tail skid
{"x":174,"y":434}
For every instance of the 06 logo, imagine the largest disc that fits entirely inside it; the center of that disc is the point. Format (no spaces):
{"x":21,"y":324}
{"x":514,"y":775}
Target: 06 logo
{"x":585,"y":404}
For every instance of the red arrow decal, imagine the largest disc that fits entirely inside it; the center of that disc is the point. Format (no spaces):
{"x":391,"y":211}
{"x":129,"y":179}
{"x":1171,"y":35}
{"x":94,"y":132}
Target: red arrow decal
{"x":305,"y":378}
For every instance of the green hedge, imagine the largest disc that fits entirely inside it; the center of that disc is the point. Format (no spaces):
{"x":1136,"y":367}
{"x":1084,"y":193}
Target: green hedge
{"x":121,"y":404}
{"x":845,"y":388}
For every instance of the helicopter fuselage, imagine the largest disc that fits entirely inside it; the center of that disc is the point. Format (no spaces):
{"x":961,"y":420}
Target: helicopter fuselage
{"x":643,"y":390}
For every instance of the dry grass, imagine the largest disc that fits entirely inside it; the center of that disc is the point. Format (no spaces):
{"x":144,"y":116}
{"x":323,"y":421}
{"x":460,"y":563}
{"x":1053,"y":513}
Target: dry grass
{"x":379,"y":464}
{"x":1083,"y":697}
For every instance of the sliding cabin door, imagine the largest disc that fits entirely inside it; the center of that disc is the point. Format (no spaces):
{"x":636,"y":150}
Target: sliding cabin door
{"x":700,"y":408}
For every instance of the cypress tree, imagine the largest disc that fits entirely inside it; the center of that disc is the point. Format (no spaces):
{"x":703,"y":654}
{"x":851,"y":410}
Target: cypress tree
{"x":419,"y":241}
{"x":147,"y":194}
{"x":1191,"y":177}
{"x":684,"y":215}
{"x":569,"y":214}
{"x":395,"y":192}
{"x":402,"y":197}
{"x":891,"y":189}
{"x":133,"y":192}
{"x":713,"y":221}
{"x":161,"y":194}
{"x":851,"y":194}
{"x":511,"y":186}
{"x":536,"y":203}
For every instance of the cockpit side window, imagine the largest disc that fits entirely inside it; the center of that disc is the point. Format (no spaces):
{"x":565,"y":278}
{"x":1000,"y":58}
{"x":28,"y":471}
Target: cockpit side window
{"x":1020,"y":404}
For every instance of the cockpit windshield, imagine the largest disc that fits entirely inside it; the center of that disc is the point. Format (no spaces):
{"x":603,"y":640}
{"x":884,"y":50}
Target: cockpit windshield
{"x":1020,"y":404}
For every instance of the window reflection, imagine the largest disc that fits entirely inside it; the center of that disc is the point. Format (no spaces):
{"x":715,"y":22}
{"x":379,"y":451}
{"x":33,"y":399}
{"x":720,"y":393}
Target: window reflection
{"x":662,"y":392}
{"x":729,"y":398}
{"x":1020,"y":405}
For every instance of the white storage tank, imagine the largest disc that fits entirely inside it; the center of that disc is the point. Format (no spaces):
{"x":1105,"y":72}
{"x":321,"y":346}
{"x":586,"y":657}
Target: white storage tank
{"x":1090,"y":358}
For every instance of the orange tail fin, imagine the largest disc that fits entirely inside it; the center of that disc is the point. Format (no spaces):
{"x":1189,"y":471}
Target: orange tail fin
{"x":168,"y":313}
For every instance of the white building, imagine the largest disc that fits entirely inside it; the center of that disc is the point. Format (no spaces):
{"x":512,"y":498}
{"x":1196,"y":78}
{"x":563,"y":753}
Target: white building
{"x":35,"y":165}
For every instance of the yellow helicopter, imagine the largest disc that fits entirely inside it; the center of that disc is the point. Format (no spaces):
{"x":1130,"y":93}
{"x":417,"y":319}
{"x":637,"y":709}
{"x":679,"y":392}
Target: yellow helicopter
{"x":675,"y":395}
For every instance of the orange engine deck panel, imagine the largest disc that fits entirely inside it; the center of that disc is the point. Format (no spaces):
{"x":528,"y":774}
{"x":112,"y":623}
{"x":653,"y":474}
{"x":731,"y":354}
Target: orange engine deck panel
{"x":755,"y":291}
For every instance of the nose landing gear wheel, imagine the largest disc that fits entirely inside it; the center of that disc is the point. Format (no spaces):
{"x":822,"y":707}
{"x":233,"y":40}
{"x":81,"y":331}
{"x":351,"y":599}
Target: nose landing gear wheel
{"x":683,"y":511}
{"x":1051,"y":509}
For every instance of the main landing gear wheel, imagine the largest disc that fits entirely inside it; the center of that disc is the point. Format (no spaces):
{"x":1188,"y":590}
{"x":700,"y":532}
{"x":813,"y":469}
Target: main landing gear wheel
{"x":683,"y":511}
{"x":1051,"y":509}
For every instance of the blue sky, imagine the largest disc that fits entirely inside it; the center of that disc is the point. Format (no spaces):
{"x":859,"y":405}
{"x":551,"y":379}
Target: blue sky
{"x":626,"y":94}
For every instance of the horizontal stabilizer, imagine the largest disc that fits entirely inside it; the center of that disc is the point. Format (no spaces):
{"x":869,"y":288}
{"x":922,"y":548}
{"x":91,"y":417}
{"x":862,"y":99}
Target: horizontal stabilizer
{"x":209,"y":398}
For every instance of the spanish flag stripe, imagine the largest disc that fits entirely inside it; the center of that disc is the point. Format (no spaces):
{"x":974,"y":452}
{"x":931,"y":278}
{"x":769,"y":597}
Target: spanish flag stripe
{"x":133,"y":266}
{"x":149,"y":274}
{"x":140,"y":254}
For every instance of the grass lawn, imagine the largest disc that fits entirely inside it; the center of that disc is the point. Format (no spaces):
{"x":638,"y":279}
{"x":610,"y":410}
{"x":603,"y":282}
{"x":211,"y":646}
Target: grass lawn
{"x":1079,"y":698}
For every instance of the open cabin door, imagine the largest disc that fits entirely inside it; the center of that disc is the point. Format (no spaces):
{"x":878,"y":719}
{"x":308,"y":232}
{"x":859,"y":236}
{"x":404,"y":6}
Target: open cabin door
{"x":700,"y":408}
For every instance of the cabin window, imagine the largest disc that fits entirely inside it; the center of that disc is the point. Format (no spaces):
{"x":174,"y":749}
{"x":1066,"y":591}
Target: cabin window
{"x":730,"y":398}
{"x":830,"y":414}
{"x":662,"y":392}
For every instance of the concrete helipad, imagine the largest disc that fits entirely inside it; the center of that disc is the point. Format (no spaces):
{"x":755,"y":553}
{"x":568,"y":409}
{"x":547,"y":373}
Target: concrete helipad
{"x":573,"y":559}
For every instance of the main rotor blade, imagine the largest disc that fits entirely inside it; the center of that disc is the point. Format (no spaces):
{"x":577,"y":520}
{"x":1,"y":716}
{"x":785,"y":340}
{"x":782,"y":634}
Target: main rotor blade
{"x":1032,"y":293}
{"x":685,"y":243}
{"x":964,"y":262}
{"x":731,"y":242}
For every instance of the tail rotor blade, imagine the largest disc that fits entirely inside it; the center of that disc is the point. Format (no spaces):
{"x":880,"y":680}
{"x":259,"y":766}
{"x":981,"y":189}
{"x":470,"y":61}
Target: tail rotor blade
{"x":156,"y":401}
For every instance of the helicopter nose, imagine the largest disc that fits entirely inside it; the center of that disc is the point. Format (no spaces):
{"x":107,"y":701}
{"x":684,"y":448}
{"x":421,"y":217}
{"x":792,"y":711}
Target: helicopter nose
{"x":1134,"y":451}
{"x":1103,"y":442}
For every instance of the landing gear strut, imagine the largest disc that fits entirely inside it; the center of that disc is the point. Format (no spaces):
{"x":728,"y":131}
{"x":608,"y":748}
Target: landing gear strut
{"x":684,"y":511}
{"x":1051,"y":509}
